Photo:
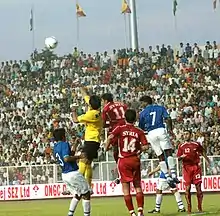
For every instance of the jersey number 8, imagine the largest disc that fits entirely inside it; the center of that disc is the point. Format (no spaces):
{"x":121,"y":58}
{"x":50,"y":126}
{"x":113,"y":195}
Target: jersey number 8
{"x":60,"y":160}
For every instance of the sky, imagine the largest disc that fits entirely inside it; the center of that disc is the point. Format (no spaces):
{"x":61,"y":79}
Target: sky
{"x":104,"y":26}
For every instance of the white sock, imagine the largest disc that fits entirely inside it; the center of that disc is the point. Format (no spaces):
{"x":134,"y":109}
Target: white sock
{"x":159,"y":198}
{"x":171,"y":165}
{"x":163,"y":168}
{"x":86,"y":207}
{"x":73,"y":204}
{"x":179,"y":200}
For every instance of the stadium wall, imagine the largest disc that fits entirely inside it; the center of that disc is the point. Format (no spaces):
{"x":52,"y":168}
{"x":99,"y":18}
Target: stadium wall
{"x":100,"y":188}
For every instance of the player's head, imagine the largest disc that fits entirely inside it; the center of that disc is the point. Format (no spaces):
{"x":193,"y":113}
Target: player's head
{"x":187,"y":135}
{"x":95,"y":102}
{"x":130,"y":116}
{"x":59,"y":134}
{"x":56,"y":123}
{"x":107,"y":97}
{"x":146,"y":100}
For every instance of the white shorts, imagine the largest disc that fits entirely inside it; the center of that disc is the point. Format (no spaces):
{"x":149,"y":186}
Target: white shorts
{"x":163,"y":185}
{"x":159,"y":140}
{"x":75,"y":183}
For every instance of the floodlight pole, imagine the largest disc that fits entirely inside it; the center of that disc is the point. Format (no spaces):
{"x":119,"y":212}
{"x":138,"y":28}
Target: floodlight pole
{"x":133,"y":25}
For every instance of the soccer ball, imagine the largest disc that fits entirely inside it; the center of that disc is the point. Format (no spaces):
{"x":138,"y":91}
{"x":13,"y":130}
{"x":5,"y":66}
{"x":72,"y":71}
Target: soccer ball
{"x":51,"y":42}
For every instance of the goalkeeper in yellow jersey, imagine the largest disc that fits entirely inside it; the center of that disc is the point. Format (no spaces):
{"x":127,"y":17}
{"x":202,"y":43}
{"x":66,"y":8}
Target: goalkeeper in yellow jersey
{"x":93,"y":123}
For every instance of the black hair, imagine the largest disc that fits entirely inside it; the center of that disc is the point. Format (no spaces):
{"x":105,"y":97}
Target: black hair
{"x":59,"y":134}
{"x":189,"y":131}
{"x":108,"y":97}
{"x":95,"y":102}
{"x":147,"y":99}
{"x":130,"y":116}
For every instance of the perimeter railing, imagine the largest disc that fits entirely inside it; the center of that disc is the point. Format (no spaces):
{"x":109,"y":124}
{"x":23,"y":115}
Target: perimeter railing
{"x":102,"y":171}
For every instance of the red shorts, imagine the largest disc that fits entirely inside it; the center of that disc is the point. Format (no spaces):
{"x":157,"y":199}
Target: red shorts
{"x":129,"y":169}
{"x":192,"y":174}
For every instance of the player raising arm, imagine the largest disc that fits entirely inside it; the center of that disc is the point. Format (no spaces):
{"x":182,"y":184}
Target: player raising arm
{"x":189,"y":153}
{"x":93,"y":123}
{"x":113,"y":115}
{"x":163,"y":186}
{"x":152,"y":122}
{"x":131,"y":141}
{"x":74,"y":180}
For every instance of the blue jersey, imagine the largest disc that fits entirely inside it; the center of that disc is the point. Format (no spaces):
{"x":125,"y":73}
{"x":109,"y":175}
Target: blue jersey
{"x":162,"y":175}
{"x":62,"y":150}
{"x":152,"y":117}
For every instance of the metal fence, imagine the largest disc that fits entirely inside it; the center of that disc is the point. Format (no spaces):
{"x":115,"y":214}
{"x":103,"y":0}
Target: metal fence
{"x":102,"y":171}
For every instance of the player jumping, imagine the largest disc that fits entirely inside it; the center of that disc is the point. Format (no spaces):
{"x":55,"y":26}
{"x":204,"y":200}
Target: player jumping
{"x":74,"y":180}
{"x":93,"y":122}
{"x":152,"y":122}
{"x":114,"y":113}
{"x":189,"y":153}
{"x":163,"y":186}
{"x":129,"y":145}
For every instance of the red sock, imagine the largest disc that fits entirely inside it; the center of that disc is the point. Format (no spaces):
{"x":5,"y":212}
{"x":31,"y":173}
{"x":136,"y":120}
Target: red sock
{"x":140,"y":201}
{"x":199,"y":198}
{"x":129,"y":203}
{"x":188,"y":201}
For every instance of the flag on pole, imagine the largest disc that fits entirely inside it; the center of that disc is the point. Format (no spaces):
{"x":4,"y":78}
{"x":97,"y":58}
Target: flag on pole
{"x":31,"y":20}
{"x":79,"y":11}
{"x":125,"y":7}
{"x":175,"y":4}
{"x":214,"y":4}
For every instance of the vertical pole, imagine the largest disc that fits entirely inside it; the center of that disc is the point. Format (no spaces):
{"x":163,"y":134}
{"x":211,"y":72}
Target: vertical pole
{"x":129,"y":31}
{"x":125,"y":23}
{"x":77,"y":31}
{"x":33,"y":29}
{"x":134,"y":30}
{"x":77,"y":27}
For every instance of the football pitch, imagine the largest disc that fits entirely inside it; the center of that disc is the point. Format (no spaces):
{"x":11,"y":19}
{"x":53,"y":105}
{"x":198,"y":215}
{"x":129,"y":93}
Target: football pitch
{"x":102,"y":207}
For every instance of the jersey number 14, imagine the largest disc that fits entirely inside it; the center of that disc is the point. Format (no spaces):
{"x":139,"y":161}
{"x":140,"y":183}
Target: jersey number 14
{"x":129,"y":146}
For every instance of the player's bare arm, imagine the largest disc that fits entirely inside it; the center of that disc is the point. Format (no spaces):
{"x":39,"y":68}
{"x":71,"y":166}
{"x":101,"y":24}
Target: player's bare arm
{"x":74,"y":116}
{"x":157,"y":169}
{"x":169,"y":124}
{"x":206,"y":157}
{"x":73,"y":158}
{"x":144,"y":148}
{"x":84,"y":91}
{"x":108,"y":142}
{"x":181,"y":157}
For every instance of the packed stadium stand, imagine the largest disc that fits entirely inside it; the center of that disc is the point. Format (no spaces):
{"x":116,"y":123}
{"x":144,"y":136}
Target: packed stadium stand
{"x":185,"y":80}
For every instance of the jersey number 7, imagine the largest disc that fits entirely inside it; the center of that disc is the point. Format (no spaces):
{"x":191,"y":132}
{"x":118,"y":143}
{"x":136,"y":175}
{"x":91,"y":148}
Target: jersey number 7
{"x":153,"y":114}
{"x":59,"y":159}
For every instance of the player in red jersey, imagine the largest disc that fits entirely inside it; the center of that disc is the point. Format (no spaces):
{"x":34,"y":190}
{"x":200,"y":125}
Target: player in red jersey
{"x":131,"y":141}
{"x":113,"y":115}
{"x":189,"y":153}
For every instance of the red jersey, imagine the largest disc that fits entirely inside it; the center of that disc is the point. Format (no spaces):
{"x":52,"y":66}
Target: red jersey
{"x":192,"y":150}
{"x":114,"y":112}
{"x":130,"y":139}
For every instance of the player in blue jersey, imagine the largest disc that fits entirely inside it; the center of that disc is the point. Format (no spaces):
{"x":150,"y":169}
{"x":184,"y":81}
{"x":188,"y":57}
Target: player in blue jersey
{"x":163,"y":186}
{"x":74,"y":180}
{"x":152,"y":122}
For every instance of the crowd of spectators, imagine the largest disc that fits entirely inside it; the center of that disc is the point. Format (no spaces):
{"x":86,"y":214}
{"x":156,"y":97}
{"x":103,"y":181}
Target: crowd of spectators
{"x":185,"y":80}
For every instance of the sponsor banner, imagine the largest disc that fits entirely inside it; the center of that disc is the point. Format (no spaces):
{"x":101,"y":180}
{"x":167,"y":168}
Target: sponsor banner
{"x":100,"y":188}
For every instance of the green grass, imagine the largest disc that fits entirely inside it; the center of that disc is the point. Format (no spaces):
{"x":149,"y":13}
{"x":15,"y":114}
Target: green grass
{"x":102,"y":207}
